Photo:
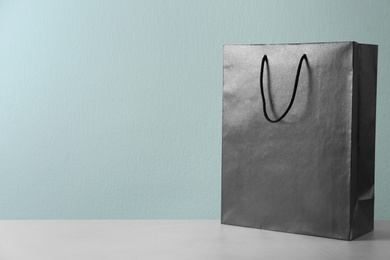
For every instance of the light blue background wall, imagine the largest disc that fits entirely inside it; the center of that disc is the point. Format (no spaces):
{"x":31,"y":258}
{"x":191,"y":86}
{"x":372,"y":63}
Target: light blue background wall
{"x":112,"y":109}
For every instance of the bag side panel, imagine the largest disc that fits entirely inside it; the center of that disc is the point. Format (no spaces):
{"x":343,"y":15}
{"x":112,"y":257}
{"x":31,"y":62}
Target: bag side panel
{"x":362,"y":179}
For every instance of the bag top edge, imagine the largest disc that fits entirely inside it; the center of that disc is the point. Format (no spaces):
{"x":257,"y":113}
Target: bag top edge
{"x":255,"y":44}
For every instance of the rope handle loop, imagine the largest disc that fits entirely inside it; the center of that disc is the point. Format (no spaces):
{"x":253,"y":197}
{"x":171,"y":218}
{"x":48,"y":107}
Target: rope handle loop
{"x":265,"y":59}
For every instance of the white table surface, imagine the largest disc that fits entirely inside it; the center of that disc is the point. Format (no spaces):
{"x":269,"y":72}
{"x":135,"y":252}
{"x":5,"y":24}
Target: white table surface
{"x":175,"y":239}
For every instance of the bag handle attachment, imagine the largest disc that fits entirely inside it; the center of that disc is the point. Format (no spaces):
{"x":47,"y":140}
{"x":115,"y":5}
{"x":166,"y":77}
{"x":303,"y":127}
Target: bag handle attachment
{"x":265,"y":59}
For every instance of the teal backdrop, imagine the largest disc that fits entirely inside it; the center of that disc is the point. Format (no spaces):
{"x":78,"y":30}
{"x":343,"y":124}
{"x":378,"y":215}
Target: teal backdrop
{"x":113,"y":109}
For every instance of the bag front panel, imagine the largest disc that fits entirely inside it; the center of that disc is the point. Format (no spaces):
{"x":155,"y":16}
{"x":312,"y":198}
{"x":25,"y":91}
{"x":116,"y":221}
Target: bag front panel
{"x":292,"y":175}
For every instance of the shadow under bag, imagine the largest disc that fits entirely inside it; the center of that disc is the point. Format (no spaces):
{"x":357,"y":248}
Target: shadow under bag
{"x":298,"y":147}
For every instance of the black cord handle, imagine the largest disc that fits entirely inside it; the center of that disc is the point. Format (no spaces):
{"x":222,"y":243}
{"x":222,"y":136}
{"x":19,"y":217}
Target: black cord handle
{"x":265,"y":59}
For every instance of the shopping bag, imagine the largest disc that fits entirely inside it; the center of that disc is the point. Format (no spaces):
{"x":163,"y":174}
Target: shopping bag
{"x":298,"y":145}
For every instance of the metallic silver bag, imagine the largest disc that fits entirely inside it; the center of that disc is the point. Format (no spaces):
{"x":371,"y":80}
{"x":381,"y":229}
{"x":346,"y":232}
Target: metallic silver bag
{"x":298,"y":147}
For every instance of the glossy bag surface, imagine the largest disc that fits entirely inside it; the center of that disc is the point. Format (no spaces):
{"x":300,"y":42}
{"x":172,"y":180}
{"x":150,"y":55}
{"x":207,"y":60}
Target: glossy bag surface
{"x":313,"y":171}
